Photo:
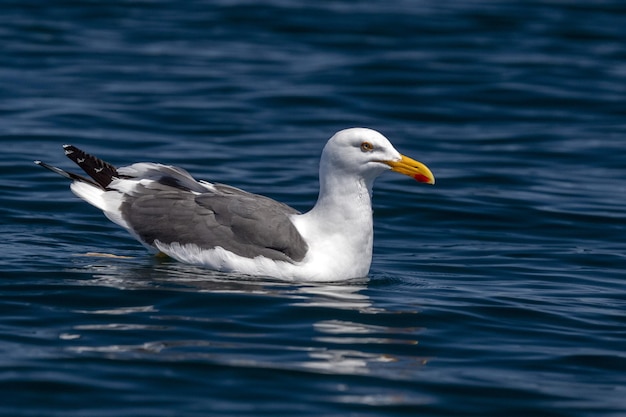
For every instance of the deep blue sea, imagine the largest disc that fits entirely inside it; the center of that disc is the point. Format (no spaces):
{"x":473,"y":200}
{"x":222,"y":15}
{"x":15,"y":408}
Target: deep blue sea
{"x":500,"y":291}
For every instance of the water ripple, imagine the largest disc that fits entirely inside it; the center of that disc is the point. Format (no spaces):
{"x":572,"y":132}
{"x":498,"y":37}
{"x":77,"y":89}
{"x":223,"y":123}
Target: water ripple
{"x":497,"y":292}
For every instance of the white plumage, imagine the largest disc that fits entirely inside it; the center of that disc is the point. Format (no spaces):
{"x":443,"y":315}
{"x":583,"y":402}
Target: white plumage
{"x":228,"y":229}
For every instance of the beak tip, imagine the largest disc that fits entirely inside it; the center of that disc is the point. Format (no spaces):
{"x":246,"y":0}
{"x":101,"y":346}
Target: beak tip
{"x":414,"y":169}
{"x":424,"y":179}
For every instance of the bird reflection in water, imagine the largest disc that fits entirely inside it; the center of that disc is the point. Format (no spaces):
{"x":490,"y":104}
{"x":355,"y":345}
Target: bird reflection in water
{"x":243,"y":321}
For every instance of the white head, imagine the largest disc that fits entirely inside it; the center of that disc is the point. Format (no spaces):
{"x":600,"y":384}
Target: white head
{"x":367,"y":154}
{"x":339,"y":229}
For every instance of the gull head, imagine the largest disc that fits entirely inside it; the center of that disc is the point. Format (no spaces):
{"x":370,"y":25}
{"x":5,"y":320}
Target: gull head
{"x":367,"y":153}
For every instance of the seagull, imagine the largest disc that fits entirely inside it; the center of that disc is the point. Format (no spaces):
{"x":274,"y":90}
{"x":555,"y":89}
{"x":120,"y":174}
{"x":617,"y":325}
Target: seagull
{"x":228,"y":229}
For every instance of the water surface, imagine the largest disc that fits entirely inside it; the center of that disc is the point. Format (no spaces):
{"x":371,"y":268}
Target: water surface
{"x":497,"y":292}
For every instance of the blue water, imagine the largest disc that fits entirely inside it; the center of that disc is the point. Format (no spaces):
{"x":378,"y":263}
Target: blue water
{"x":498,"y":292}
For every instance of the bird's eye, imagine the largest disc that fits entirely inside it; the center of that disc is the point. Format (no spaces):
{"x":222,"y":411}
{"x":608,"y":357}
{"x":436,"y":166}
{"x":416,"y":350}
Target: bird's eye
{"x":367,"y":147}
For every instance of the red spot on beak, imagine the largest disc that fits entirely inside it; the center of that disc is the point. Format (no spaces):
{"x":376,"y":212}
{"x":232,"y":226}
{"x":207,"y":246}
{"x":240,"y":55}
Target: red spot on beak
{"x":421,"y":178}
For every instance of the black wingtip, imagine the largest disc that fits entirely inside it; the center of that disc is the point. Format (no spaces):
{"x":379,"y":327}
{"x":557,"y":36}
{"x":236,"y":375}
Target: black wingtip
{"x":101,"y":172}
{"x":68,"y":175}
{"x":55,"y":169}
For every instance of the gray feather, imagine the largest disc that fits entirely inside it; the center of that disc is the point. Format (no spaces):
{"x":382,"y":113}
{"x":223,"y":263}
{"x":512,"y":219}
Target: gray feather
{"x":246,"y":224}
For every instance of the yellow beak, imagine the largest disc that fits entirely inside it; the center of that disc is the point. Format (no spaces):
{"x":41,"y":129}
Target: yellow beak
{"x":412,"y":168}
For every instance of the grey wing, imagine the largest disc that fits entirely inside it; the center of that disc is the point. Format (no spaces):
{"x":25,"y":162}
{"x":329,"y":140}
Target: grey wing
{"x":256,"y":220}
{"x":246,"y":224}
{"x":163,"y":174}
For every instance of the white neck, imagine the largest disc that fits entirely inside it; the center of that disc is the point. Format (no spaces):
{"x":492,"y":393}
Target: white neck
{"x":339,"y":229}
{"x":343,"y":199}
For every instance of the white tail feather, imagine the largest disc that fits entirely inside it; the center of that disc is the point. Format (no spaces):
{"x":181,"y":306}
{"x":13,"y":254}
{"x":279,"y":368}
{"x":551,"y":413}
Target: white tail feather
{"x":107,"y":201}
{"x":91,"y":194}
